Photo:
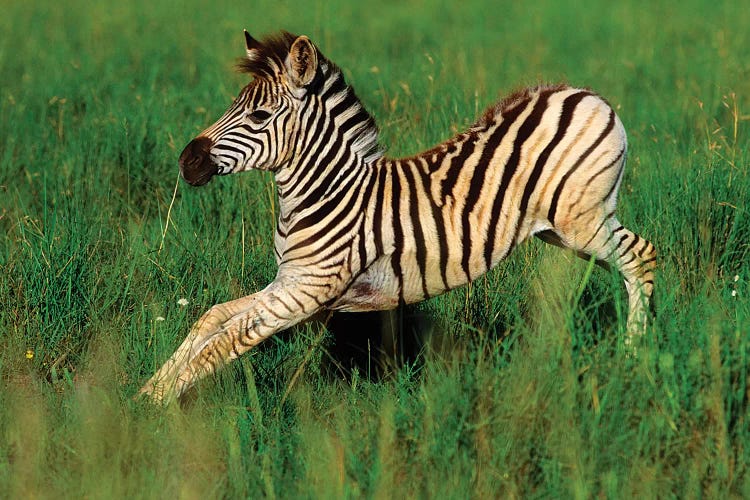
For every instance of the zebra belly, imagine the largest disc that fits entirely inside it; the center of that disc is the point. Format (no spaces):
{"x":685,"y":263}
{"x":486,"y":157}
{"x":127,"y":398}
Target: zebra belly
{"x":376,"y":289}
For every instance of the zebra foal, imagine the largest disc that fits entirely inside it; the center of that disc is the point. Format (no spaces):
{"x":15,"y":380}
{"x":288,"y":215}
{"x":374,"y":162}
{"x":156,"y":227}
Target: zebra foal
{"x":359,"y":231}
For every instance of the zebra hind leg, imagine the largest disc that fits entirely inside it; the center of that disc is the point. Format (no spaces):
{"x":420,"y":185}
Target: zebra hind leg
{"x":613,"y":244}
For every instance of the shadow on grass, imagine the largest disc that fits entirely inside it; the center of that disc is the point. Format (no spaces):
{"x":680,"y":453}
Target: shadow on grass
{"x":377,"y":344}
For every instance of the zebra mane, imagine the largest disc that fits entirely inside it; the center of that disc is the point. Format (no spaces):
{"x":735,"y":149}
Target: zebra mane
{"x":510,"y":101}
{"x":271,"y":53}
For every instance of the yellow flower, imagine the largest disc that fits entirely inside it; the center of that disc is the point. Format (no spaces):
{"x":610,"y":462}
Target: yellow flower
{"x":29,"y":354}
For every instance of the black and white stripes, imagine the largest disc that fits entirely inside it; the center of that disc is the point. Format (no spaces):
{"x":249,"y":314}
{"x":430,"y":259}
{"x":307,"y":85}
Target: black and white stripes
{"x":360,"y":231}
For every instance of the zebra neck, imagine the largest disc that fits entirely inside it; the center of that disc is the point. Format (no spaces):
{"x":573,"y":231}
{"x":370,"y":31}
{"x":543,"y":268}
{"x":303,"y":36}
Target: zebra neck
{"x":338,"y":142}
{"x":315,"y":185}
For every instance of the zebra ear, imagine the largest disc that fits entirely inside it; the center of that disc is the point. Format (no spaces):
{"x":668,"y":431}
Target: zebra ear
{"x":252,"y":46}
{"x":302,"y":62}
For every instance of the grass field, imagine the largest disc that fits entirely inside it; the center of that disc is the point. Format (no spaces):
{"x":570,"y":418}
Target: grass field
{"x":521,"y":387}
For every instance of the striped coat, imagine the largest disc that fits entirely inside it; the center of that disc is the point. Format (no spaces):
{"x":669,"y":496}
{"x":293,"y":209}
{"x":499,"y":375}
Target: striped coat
{"x":360,"y":231}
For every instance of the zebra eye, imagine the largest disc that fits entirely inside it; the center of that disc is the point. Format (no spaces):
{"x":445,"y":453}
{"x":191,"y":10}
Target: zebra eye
{"x":259,"y":116}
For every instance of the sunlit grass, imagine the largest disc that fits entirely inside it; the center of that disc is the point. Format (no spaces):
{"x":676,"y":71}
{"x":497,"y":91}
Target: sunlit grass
{"x":518,"y":385}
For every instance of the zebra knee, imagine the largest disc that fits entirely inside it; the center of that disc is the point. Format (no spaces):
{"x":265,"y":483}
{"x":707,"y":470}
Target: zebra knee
{"x":211,"y":319}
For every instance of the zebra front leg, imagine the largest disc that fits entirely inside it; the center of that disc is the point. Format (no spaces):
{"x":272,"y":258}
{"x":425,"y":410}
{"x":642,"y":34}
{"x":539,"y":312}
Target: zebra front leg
{"x":203,"y":329}
{"x":226,"y":332}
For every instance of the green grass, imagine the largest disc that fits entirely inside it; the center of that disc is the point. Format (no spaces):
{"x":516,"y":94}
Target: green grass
{"x":522,"y":389}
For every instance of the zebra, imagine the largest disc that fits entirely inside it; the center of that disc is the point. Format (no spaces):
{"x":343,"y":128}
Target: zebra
{"x":359,"y":231}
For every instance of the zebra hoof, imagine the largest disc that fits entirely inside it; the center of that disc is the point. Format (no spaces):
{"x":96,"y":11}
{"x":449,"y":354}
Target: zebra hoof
{"x":158,"y":391}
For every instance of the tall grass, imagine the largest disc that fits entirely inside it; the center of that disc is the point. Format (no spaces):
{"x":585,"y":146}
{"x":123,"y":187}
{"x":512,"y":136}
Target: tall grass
{"x":521,"y":386}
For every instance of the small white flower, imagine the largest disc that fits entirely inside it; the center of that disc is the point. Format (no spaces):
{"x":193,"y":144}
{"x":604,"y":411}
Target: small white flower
{"x":734,"y":293}
{"x":736,"y":278}
{"x":159,"y":318}
{"x":183,"y":302}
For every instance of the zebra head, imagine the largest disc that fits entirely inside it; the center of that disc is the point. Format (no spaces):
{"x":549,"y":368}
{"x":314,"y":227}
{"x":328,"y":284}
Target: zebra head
{"x":257,"y":130}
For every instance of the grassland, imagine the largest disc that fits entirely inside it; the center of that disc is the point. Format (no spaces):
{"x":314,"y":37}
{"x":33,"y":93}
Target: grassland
{"x":521,"y":387}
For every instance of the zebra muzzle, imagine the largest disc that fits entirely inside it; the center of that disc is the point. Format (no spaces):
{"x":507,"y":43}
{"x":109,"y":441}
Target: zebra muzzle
{"x":196,"y":166}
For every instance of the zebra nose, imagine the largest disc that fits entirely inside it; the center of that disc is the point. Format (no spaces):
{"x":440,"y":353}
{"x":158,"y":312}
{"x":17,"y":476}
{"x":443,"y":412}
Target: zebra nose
{"x":196,"y":166}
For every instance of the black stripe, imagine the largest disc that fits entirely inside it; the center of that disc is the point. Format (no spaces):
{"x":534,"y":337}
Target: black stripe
{"x":437,"y":217}
{"x":361,"y":249}
{"x":226,"y":147}
{"x":646,"y":244}
{"x":347,"y":102}
{"x":377,"y":216}
{"x":317,"y":301}
{"x":559,"y":188}
{"x":524,"y":132}
{"x":617,"y":247}
{"x":433,"y":159}
{"x":623,"y":264}
{"x":337,"y":256}
{"x":457,"y":164}
{"x":641,"y":272}
{"x":286,"y":306}
{"x":360,"y":117}
{"x":369,"y":189}
{"x":617,"y":179}
{"x":631,"y":245}
{"x":270,"y":310}
{"x":398,"y":232}
{"x":323,"y":272}
{"x":241,"y":339}
{"x":338,"y":85}
{"x":421,"y":250}
{"x":296,"y":139}
{"x":326,"y":277}
{"x":299,"y":304}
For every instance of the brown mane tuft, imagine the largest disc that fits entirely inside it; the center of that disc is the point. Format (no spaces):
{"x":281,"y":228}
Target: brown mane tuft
{"x":271,"y":53}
